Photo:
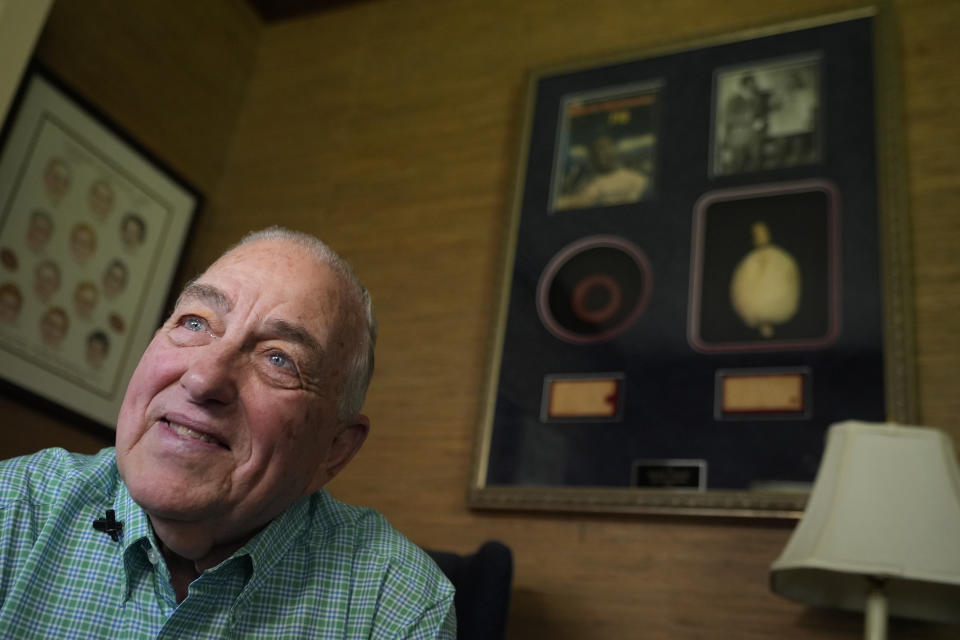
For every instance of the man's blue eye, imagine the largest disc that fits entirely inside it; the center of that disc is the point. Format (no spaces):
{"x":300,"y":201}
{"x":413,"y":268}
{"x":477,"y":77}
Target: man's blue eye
{"x":280,"y":360}
{"x":194,"y":323}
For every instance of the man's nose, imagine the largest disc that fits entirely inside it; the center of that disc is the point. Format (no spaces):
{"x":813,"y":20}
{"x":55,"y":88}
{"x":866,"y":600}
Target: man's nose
{"x":212,"y":374}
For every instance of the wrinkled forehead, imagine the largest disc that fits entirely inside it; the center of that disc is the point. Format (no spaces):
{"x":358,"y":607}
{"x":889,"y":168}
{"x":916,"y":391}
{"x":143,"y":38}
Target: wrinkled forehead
{"x":278,"y":258}
{"x":283,"y":273}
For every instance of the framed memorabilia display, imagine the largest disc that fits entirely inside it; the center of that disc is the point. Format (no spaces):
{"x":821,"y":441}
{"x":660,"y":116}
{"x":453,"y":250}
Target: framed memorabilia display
{"x":91,"y":231}
{"x":707,"y":266}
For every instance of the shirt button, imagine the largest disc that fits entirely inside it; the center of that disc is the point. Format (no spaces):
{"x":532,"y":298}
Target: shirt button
{"x":153,"y":556}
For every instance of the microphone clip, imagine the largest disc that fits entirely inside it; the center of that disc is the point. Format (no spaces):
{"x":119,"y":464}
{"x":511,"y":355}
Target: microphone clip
{"x":109,"y":525}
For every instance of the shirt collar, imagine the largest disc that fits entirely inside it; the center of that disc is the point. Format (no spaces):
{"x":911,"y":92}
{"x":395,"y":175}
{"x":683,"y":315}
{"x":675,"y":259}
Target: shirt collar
{"x":273,"y":542}
{"x":136,"y":524}
{"x":137,"y":540}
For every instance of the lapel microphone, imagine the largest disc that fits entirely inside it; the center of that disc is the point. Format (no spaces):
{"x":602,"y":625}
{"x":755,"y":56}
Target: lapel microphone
{"x":109,"y":525}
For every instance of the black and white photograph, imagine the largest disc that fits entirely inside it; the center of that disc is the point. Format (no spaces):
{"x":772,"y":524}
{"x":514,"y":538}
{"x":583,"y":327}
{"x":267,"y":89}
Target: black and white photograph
{"x":766,"y":116}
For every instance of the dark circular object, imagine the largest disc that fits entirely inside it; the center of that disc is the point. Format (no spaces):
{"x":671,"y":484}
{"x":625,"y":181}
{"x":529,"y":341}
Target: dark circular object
{"x":9,"y":259}
{"x":593,"y":289}
{"x":596,"y":298}
{"x":117,"y":323}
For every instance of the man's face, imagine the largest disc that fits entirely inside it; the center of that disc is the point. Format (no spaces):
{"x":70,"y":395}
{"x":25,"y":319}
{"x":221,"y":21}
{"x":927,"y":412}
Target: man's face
{"x":96,"y":351}
{"x":53,"y":327}
{"x":85,"y":299}
{"x":231,"y":414}
{"x":604,"y":154}
{"x":46,"y":280}
{"x":38,"y":233}
{"x":114,"y":280}
{"x":83,"y":243}
{"x":10,"y":304}
{"x":131,"y":233}
{"x":101,"y":198}
{"x":57,"y":177}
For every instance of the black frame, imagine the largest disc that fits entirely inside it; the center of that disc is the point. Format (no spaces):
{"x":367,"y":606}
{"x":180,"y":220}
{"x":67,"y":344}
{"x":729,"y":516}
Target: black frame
{"x":62,"y":157}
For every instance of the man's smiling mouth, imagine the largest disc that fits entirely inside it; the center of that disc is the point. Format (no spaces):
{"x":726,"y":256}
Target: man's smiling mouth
{"x":187,"y":432}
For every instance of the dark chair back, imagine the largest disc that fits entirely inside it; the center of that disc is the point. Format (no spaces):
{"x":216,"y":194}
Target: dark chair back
{"x":483,"y":583}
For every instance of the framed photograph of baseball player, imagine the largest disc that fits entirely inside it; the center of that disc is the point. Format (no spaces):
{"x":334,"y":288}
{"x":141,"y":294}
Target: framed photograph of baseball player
{"x":606,"y":151}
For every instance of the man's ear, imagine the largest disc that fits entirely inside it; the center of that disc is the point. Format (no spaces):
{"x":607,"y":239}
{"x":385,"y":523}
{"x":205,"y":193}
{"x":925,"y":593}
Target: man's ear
{"x":348,"y":440}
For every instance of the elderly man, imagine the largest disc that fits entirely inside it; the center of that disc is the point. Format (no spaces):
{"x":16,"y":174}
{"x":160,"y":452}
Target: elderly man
{"x":209,"y":520}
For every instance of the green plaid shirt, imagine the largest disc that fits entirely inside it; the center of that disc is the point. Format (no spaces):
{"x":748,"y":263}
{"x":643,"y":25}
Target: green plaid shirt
{"x":323,"y":569}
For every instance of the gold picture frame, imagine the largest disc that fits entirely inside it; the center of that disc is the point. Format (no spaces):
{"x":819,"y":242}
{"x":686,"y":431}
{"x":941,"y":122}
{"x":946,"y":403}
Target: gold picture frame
{"x":624,"y":377}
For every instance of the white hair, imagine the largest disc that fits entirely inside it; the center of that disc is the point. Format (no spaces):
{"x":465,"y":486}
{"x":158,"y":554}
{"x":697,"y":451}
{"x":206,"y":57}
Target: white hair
{"x":360,"y":366}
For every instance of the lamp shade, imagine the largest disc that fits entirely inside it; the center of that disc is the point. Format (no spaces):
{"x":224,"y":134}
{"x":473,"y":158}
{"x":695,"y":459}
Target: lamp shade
{"x":885,"y":506}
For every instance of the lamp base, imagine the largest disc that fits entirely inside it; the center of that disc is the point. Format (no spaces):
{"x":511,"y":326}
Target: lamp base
{"x":875,"y":613}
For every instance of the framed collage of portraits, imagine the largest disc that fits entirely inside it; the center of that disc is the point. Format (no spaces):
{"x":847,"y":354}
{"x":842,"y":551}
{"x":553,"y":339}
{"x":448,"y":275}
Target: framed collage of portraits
{"x":91,"y":231}
{"x":708,"y":265}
